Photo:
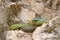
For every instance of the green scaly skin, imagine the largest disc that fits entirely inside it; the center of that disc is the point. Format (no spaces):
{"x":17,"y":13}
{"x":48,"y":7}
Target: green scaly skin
{"x":17,"y":26}
{"x":38,"y":21}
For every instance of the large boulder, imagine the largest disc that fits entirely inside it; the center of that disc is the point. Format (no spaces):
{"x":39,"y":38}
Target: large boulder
{"x":48,"y":31}
{"x":17,"y":35}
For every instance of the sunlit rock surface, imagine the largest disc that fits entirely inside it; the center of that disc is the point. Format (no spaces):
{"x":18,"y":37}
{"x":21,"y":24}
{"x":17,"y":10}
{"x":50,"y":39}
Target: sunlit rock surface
{"x":29,"y":8}
{"x":26,"y":15}
{"x":18,"y":35}
{"x":50,"y":31}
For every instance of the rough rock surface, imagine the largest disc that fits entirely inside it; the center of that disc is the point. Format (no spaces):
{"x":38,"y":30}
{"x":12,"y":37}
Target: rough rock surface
{"x":3,"y":21}
{"x":18,"y":35}
{"x":39,"y":7}
{"x":48,"y":31}
{"x":48,"y":14}
{"x":29,"y":8}
{"x":26,"y":15}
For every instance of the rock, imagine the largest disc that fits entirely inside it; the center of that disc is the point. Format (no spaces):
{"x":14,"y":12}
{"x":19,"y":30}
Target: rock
{"x":4,"y":14}
{"x":55,"y":4}
{"x":48,"y":31}
{"x":26,"y":15}
{"x":17,"y":35}
{"x":47,"y":36}
{"x":25,"y":2}
{"x":37,"y":7}
{"x":48,"y":14}
{"x":29,"y":10}
{"x":13,"y":9}
{"x":3,"y":22}
{"x":56,"y":22}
